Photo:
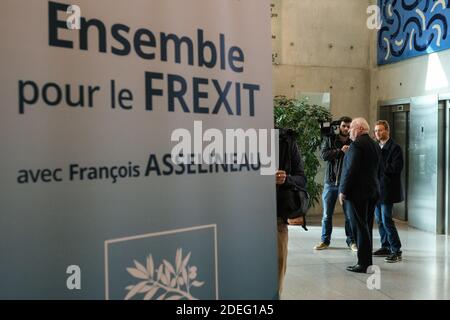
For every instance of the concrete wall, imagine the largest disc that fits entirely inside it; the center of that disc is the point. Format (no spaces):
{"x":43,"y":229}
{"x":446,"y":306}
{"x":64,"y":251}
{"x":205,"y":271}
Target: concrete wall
{"x":324,"y":47}
{"x":316,"y":56}
{"x":323,"y":50}
{"x":424,"y":75}
{"x":418,"y":76}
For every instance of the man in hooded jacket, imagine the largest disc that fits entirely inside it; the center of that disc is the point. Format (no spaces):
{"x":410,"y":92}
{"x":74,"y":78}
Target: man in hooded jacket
{"x":289,"y":175}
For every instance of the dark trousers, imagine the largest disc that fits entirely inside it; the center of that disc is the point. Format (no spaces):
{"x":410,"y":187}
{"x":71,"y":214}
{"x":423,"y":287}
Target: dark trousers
{"x":361,"y":216}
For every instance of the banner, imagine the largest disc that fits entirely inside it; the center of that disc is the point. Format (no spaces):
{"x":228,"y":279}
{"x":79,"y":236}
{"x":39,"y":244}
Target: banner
{"x":94,"y":95}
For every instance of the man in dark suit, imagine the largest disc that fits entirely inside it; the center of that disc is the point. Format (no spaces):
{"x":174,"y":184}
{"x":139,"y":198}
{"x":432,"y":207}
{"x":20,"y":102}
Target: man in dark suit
{"x":360,"y":188}
{"x":391,"y":192}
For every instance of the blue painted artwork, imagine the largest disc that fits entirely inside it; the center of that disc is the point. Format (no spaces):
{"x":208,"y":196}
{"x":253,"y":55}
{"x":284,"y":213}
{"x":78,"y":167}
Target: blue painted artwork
{"x":411,"y":28}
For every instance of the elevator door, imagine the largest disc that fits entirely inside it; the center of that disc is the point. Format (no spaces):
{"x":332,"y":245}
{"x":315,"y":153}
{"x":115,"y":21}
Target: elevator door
{"x":425,"y":192}
{"x":400,"y":135}
{"x":398,"y":118}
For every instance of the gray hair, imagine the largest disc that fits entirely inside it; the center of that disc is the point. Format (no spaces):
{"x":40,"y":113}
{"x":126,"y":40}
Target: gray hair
{"x":362,"y":124}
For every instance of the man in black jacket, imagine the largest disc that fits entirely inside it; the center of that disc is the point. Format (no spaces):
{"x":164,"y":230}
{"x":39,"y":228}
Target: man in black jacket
{"x":332,"y":151}
{"x":391,"y":192}
{"x":360,"y":188}
{"x":289,"y":175}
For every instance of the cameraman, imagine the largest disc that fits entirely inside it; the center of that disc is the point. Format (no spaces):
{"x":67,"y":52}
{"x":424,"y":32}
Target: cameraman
{"x":332,"y":150}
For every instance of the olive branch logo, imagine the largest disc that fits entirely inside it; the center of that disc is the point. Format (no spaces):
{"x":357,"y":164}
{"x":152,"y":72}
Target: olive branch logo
{"x":165,"y":282}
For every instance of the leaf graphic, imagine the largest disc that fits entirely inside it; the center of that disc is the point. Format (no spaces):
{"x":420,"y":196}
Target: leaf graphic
{"x":186,"y":260}
{"x":197,"y":283}
{"x":159,"y":272}
{"x":192,"y":272}
{"x":175,"y":297}
{"x":145,"y":289}
{"x":135,"y":290}
{"x":151,"y":293}
{"x":167,"y":274}
{"x":161,"y":297}
{"x":137,"y":273}
{"x":184,"y":274}
{"x":169,"y":266}
{"x":140,"y":267}
{"x":150,"y":266}
{"x":164,"y":280}
{"x":167,"y":278}
{"x":178,"y":257}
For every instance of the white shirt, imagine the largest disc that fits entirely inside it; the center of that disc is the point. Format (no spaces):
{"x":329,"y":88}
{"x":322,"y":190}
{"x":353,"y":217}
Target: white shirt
{"x":382,"y":144}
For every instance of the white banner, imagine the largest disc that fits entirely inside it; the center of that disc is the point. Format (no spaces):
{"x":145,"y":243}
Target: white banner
{"x":92,"y":206}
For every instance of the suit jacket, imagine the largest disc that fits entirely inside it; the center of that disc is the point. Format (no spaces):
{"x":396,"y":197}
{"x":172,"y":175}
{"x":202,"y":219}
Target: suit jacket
{"x":390,"y":172}
{"x":359,"y":180}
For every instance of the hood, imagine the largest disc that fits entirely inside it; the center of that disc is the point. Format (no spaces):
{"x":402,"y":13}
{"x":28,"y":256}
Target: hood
{"x":287,"y":133}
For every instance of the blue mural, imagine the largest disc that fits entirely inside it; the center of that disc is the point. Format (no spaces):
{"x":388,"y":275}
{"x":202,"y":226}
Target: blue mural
{"x":412,"y":28}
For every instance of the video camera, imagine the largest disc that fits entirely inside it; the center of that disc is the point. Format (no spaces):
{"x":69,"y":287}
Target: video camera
{"x":328,"y":129}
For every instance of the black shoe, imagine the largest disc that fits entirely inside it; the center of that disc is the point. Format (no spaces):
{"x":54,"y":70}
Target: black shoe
{"x":357,"y":268}
{"x":383,"y":252}
{"x":395,"y":257}
{"x":349,"y":268}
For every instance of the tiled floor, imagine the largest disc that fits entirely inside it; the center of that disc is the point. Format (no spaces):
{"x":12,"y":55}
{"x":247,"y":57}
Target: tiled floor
{"x":424,"y":272}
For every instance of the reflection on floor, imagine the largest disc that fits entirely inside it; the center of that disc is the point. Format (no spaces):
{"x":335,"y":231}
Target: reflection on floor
{"x":423,"y":274}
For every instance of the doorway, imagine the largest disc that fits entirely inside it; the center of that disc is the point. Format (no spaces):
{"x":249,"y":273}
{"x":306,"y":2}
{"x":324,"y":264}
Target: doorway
{"x":398,"y":118}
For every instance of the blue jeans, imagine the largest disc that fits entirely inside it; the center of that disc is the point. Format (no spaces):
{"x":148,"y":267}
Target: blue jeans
{"x":329,"y":198}
{"x":386,"y":226}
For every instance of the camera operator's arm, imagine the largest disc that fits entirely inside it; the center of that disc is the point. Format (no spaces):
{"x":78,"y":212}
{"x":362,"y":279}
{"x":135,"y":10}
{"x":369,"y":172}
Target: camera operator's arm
{"x":327,"y":153}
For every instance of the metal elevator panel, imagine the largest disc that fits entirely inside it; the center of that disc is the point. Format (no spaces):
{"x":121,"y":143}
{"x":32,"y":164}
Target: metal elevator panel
{"x":398,"y":118}
{"x":424,"y":201}
{"x":399,"y":134}
{"x":385,"y":114}
{"x":444,"y":220}
{"x":442,"y":168}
